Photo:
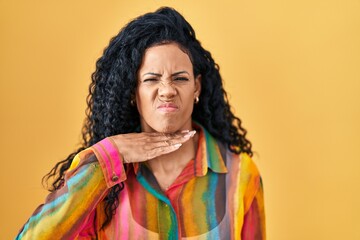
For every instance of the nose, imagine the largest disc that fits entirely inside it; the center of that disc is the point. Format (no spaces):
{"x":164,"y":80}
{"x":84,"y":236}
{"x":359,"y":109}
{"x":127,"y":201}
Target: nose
{"x":167,"y":90}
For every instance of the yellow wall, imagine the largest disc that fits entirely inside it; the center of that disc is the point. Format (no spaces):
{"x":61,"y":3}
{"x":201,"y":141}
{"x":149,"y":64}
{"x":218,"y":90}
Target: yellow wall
{"x":292,"y":69}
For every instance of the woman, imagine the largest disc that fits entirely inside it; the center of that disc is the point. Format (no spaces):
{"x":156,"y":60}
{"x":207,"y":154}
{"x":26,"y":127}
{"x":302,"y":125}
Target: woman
{"x":163,"y":155}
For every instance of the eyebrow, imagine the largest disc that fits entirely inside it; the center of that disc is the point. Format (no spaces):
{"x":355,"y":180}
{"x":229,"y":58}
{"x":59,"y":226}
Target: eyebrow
{"x":172,"y":75}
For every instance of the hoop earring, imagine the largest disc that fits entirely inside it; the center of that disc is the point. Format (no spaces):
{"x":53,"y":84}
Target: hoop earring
{"x":197,"y":100}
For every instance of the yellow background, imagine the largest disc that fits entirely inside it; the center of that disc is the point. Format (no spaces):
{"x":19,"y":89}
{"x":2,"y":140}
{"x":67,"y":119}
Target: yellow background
{"x":292,"y":69}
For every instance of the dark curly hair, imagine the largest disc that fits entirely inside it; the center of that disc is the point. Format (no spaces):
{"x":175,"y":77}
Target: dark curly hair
{"x":109,"y":109}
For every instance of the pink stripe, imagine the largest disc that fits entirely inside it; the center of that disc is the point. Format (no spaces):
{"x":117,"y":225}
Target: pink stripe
{"x":104,"y":161}
{"x":114,"y":155}
{"x":110,"y":161}
{"x":235,"y":196}
{"x":124,"y":215}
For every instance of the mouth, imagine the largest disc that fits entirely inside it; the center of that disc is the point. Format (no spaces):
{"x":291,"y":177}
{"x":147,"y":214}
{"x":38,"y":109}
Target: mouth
{"x":168,"y":107}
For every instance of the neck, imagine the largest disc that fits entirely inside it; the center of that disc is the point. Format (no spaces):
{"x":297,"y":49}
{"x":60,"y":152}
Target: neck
{"x":171,"y":165}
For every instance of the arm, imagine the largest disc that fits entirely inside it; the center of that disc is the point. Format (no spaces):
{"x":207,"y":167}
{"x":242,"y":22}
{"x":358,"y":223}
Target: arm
{"x":65,"y":212}
{"x":92,"y":173}
{"x":254,"y":219}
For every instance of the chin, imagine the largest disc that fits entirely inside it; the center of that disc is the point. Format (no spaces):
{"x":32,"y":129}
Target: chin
{"x":167,"y":128}
{"x":166,"y":125}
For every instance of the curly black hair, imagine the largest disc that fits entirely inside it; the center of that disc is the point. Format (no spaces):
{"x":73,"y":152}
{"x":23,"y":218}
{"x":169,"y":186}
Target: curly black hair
{"x":109,"y":109}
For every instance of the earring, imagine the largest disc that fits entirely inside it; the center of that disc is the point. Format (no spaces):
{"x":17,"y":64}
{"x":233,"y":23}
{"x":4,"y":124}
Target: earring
{"x":132,"y":102}
{"x":197,"y":100}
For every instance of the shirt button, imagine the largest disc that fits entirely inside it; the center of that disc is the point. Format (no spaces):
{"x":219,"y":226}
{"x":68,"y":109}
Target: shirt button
{"x":114,"y":178}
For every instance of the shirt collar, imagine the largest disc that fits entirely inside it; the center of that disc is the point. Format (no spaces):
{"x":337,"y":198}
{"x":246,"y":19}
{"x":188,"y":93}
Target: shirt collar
{"x":208,"y":154}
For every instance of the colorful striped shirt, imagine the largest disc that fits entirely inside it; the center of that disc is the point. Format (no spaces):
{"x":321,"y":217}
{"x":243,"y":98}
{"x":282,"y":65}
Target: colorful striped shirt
{"x":218,"y":195}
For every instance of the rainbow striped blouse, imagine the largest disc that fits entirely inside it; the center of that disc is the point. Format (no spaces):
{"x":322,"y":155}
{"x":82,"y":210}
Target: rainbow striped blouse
{"x":218,"y":195}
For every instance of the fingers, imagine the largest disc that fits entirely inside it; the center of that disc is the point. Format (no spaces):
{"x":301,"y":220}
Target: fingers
{"x":168,"y":145}
{"x":138,"y":147}
{"x":162,"y":137}
{"x":169,"y":140}
{"x":162,"y":150}
{"x":156,"y":139}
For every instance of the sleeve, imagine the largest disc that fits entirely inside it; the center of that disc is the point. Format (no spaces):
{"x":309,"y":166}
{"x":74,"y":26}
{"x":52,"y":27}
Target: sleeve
{"x":67,"y":210}
{"x":254,"y":219}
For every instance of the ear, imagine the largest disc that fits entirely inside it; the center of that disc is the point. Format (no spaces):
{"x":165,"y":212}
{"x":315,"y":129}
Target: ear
{"x":197,"y":86}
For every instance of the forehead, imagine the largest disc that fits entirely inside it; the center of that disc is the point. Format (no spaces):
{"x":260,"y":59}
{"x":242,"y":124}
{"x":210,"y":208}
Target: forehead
{"x":165,"y":57}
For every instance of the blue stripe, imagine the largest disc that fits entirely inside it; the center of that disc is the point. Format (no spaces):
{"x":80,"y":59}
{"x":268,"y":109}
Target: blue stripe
{"x":80,"y":179}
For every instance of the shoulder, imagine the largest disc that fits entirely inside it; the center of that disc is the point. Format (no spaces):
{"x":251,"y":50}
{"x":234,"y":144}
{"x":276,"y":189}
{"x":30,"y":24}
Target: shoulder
{"x":243,"y":164}
{"x":248,"y":166}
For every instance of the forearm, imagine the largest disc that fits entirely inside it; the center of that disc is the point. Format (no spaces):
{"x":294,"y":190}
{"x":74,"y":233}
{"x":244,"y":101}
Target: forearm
{"x":87,"y":181}
{"x":66,"y":210}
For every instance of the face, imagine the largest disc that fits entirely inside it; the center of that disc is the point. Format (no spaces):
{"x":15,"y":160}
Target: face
{"x":166,"y":89}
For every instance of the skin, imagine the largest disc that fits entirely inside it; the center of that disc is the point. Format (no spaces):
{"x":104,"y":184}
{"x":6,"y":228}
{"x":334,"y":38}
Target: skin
{"x":166,"y":89}
{"x":165,"y":97}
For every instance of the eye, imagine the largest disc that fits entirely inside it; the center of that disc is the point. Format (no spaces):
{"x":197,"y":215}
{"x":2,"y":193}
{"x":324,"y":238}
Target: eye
{"x":181,"y":79}
{"x":150,"y":80}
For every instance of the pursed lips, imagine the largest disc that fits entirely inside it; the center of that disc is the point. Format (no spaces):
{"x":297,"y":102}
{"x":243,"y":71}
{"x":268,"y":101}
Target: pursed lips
{"x":168,"y":107}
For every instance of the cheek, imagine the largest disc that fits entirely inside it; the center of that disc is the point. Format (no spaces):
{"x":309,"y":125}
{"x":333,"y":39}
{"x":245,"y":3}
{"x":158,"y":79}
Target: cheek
{"x":144,"y":100}
{"x":188,"y":95}
{"x":139,"y":100}
{"x":188,"y":100}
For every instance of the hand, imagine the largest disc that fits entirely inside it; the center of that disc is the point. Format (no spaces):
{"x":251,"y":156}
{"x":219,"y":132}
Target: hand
{"x":140,"y":147}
